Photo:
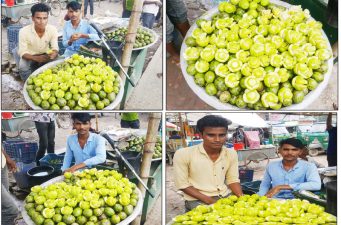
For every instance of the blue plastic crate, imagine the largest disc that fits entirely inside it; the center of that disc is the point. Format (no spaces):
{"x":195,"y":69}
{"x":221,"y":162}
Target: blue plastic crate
{"x":61,"y":46}
{"x":13,"y":36}
{"x":245,"y":175}
{"x":46,"y":161}
{"x":21,"y":151}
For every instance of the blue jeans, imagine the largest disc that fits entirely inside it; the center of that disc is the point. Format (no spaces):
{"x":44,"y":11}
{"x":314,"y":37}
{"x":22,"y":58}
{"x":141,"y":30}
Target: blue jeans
{"x":148,"y":20}
{"x":86,"y":3}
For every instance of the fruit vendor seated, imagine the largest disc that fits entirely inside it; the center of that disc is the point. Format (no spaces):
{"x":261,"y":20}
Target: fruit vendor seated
{"x":290,"y":173}
{"x":38,"y":42}
{"x":208,"y":171}
{"x":76,"y":31}
{"x":86,"y":148}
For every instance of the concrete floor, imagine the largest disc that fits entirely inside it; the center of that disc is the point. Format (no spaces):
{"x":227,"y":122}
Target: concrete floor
{"x":181,"y":97}
{"x":12,"y":97}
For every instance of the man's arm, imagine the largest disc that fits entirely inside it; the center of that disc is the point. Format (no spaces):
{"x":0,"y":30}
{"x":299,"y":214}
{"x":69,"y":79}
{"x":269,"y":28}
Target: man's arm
{"x":9,"y":162}
{"x":236,"y":189}
{"x":66,"y":41}
{"x":181,"y":171}
{"x":265,"y":184}
{"x":193,"y":192}
{"x":68,"y":156}
{"x":54,"y":44}
{"x":232,"y":175}
{"x":100,"y":153}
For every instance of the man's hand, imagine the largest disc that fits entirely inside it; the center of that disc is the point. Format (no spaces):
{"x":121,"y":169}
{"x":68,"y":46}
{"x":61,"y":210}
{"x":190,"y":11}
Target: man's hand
{"x":53,"y":55}
{"x":75,"y":168}
{"x":41,"y":58}
{"x":11,"y":164}
{"x":72,"y":169}
{"x":273,"y":192}
{"x":277,"y":189}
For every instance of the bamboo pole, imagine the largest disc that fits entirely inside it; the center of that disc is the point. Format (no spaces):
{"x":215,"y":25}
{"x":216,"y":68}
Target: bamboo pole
{"x":131,"y":36}
{"x":152,"y":132}
{"x":182,"y":134}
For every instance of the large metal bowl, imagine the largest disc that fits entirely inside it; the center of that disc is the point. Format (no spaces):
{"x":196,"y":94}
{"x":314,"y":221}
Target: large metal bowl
{"x":29,"y":101}
{"x":215,"y":103}
{"x":155,"y":37}
{"x":129,"y":219}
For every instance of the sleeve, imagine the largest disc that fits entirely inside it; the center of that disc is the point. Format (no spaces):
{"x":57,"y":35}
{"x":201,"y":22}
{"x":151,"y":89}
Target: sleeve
{"x":181,"y":170}
{"x":266,"y":183}
{"x":232,"y":174}
{"x":54,"y":40}
{"x":100,"y":156}
{"x":68,"y":156}
{"x":65,"y":37}
{"x":313,"y":180}
{"x":93,"y":35}
{"x":23,"y":43}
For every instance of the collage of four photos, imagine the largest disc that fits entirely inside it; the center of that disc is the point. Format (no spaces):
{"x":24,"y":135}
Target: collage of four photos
{"x":169,"y":112}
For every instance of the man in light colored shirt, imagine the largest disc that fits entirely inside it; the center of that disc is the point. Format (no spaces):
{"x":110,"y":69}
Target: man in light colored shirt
{"x":46,"y":131}
{"x":149,"y":12}
{"x":282,"y":177}
{"x":38,"y":42}
{"x":88,"y":149}
{"x":208,"y":171}
{"x":76,"y":31}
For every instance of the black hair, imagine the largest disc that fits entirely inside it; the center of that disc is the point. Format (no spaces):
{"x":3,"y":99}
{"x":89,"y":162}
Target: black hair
{"x":174,"y":132}
{"x":83,"y":117}
{"x":40,"y":7}
{"x":292,"y":141}
{"x":74,"y":5}
{"x":212,"y":121}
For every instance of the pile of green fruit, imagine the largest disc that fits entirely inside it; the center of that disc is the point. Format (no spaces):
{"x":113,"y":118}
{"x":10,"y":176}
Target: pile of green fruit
{"x":78,"y":83}
{"x":137,"y":144}
{"x":252,"y":210}
{"x":257,"y":55}
{"x":55,"y":161}
{"x":143,"y":37}
{"x":90,"y":197}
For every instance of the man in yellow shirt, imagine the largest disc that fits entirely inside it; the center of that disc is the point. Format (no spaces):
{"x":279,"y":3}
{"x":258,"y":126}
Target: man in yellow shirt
{"x":208,"y":171}
{"x":38,"y":42}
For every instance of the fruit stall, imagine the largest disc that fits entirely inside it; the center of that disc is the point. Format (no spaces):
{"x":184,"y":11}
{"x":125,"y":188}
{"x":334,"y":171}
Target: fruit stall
{"x":89,"y":80}
{"x":268,"y":55}
{"x":109,"y":193}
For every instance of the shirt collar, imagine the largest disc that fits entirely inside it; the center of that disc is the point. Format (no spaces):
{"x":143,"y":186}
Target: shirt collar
{"x":296,"y":166}
{"x":35,"y":32}
{"x":91,"y":137}
{"x":79,"y":25}
{"x":202,"y":151}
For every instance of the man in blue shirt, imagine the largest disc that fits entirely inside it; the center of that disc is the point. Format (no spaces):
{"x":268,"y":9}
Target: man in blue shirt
{"x":76,"y":31}
{"x":88,"y":149}
{"x":282,"y":177}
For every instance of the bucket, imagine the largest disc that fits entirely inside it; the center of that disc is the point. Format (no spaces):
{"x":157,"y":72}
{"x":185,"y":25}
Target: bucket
{"x":6,"y":115}
{"x":238,"y":146}
{"x":40,"y":174}
{"x":9,"y":3}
